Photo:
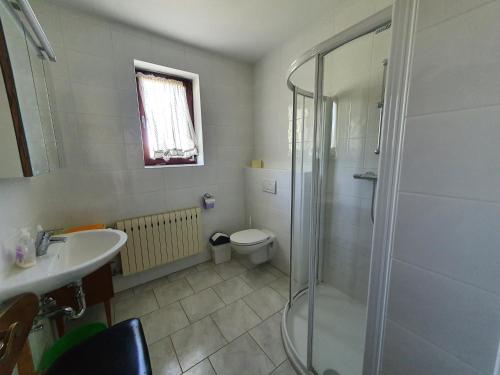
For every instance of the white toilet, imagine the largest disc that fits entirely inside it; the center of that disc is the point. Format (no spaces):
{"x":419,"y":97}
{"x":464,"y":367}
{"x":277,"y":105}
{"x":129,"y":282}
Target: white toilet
{"x":254,"y":243}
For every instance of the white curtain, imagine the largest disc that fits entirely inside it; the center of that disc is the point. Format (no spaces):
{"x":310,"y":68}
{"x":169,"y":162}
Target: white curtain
{"x":168,"y":122}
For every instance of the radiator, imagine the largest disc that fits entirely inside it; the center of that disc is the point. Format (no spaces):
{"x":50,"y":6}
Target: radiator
{"x":160,"y":239}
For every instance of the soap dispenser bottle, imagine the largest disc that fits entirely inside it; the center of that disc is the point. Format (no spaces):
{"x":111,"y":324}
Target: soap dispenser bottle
{"x":25,"y":250}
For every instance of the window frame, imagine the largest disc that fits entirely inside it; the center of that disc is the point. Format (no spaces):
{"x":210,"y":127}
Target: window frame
{"x":191,"y":82}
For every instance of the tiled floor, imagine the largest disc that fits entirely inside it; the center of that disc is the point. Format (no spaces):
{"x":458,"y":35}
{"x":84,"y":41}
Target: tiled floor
{"x":212,"y":320}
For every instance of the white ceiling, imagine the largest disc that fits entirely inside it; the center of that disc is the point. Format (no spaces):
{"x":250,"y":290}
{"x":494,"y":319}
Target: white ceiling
{"x":245,"y":29}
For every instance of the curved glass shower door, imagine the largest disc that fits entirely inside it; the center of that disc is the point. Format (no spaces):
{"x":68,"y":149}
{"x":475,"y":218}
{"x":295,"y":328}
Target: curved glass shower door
{"x":352,"y":90}
{"x":302,"y":150}
{"x":334,"y":125}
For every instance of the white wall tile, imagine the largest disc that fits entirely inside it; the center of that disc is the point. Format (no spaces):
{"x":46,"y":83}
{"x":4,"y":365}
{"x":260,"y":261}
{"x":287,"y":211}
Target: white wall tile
{"x":453,"y":154}
{"x":99,"y":129}
{"x":454,"y":237}
{"x":461,"y":74}
{"x":128,"y":45}
{"x":407,"y":353}
{"x":82,"y":33}
{"x":103,"y":156}
{"x":431,"y":12}
{"x":456,"y":317}
{"x":89,"y":69}
{"x":95,"y":100}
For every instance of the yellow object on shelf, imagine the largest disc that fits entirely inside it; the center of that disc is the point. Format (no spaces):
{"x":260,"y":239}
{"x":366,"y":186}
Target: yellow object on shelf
{"x":257,"y":164}
{"x":84,"y":227}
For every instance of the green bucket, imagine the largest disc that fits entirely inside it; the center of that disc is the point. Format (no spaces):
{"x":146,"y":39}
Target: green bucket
{"x":69,"y":340}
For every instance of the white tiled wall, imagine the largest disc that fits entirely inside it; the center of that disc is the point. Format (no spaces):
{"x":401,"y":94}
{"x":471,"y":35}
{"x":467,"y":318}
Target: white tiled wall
{"x":444,"y":301}
{"x":270,"y":211}
{"x":93,"y":96}
{"x":96,"y":121}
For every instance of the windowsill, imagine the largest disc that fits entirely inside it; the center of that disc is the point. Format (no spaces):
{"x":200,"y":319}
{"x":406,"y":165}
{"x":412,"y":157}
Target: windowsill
{"x":174,"y":165}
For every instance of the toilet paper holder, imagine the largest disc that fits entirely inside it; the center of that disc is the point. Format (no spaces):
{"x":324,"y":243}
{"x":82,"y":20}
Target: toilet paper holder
{"x":208,"y":201}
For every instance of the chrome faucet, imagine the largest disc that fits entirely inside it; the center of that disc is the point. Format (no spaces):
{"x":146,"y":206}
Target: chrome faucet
{"x":44,"y":239}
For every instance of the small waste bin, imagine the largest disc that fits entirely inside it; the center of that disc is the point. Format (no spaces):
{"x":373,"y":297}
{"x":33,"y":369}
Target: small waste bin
{"x":221,"y":247}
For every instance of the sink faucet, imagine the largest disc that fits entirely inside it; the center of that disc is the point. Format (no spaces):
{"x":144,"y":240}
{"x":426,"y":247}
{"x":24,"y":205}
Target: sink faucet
{"x":44,"y":239}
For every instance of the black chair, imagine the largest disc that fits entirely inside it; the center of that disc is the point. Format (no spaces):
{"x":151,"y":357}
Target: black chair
{"x":119,"y":350}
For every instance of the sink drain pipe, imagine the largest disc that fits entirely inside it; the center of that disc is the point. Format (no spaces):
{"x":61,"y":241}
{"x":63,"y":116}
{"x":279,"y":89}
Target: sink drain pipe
{"x":80,"y":301}
{"x":49,"y":308}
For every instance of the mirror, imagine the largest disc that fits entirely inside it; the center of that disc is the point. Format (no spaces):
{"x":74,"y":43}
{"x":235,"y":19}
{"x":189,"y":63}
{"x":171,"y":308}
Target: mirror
{"x":27,"y":142}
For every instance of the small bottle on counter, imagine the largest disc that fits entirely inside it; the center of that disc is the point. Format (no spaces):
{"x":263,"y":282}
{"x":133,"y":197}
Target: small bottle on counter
{"x":25,"y":250}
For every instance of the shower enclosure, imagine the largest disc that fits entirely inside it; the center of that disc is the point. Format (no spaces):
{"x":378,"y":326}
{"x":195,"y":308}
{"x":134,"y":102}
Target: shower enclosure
{"x":338,"y":93}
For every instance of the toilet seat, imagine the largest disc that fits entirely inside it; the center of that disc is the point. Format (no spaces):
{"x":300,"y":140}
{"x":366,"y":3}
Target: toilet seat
{"x":248,"y":237}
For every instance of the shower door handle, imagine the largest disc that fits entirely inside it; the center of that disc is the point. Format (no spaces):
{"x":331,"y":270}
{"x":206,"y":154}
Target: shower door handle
{"x":380,"y":106}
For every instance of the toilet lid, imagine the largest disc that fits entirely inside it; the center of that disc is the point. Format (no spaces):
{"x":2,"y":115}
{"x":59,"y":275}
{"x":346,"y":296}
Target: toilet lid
{"x":249,"y":237}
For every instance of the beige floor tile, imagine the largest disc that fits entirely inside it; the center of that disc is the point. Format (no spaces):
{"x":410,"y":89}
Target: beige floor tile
{"x":284,"y":369}
{"x":243,"y":260}
{"x":270,"y":268}
{"x":265,"y":302}
{"x":268,"y":336}
{"x":181,"y":274}
{"x":135,"y":307}
{"x":235,"y":319}
{"x":124,"y":294}
{"x":203,"y":280}
{"x":281,"y":285}
{"x":163,"y":358}
{"x":232,"y":289}
{"x":257,"y":278}
{"x":173,"y":292}
{"x":150,"y":285}
{"x":202,"y":368}
{"x":196,"y":342}
{"x":229,"y":269}
{"x":205,"y":266}
{"x":242,"y":356}
{"x":201,"y":304}
{"x":163,"y":322}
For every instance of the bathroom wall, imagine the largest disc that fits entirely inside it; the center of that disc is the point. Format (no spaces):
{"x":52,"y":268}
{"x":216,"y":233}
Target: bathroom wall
{"x":94,"y":105}
{"x":271,"y":211}
{"x":444,"y":302}
{"x":95,"y":111}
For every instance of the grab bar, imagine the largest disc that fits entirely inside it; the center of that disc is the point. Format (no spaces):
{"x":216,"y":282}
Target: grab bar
{"x":369,"y":176}
{"x":380,"y":106}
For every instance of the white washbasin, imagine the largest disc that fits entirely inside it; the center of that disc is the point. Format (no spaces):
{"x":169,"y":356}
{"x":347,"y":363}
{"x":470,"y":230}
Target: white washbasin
{"x":81,"y":254}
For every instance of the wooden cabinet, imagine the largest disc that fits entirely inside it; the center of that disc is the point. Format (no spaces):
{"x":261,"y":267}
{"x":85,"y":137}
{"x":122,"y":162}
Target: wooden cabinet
{"x":98,"y":288}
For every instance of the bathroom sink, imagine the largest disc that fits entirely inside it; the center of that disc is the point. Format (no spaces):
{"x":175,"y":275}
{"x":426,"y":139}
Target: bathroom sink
{"x":66,"y":262}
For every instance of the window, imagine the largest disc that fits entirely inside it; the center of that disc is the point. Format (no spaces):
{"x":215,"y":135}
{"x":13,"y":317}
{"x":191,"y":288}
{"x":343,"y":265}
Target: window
{"x":169,"y":108}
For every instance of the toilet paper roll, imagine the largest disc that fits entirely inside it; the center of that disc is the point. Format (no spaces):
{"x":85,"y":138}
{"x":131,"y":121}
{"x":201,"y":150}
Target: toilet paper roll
{"x":208,"y":201}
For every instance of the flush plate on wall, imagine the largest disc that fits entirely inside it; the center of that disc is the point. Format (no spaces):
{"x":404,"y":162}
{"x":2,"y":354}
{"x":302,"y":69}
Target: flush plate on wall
{"x":269,"y":186}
